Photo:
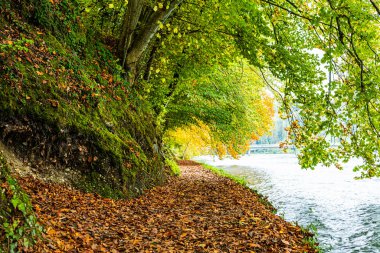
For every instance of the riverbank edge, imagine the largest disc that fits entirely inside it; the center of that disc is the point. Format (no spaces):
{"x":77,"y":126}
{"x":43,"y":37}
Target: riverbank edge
{"x":310,"y":231}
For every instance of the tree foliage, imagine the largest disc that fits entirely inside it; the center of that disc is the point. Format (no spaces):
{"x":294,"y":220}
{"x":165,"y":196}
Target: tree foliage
{"x":165,"y":46}
{"x":190,"y":39}
{"x":344,"y":105}
{"x":232,"y":106}
{"x":189,"y":141}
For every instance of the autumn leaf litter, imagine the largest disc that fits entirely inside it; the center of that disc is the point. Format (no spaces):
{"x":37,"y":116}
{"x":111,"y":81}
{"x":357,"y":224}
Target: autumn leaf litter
{"x":196,"y":212}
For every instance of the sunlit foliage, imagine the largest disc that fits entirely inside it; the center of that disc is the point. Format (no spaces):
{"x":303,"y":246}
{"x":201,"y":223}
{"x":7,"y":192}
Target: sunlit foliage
{"x":232,"y":105}
{"x":167,"y":47}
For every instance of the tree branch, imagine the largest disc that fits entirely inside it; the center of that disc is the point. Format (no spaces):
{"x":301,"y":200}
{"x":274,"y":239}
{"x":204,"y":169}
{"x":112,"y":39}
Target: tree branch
{"x":375,"y":6}
{"x":141,"y":42}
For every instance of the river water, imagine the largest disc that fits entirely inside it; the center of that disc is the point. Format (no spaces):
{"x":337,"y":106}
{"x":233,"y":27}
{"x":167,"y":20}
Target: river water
{"x":345,"y":211}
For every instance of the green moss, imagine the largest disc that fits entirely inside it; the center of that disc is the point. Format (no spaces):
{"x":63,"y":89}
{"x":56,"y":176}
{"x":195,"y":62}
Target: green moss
{"x":63,"y":96}
{"x":95,"y":182}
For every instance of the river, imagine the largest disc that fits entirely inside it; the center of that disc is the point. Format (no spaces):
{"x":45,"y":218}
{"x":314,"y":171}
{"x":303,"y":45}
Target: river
{"x":345,"y":211}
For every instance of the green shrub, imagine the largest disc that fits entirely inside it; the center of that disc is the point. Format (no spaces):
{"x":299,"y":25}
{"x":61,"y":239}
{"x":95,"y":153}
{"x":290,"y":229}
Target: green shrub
{"x":18,"y":224}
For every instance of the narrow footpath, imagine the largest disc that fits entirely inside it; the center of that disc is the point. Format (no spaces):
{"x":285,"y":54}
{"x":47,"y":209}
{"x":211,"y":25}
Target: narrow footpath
{"x":196,"y":212}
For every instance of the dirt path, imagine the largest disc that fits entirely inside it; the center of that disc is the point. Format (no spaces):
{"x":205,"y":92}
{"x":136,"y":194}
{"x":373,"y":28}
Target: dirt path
{"x":197,"y":212}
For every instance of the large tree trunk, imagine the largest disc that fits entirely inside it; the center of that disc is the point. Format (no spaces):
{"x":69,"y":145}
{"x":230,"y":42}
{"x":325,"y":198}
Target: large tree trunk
{"x":140,"y":24}
{"x":131,"y":18}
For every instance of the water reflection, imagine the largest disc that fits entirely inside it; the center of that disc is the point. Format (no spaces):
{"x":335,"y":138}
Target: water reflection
{"x":345,"y":211}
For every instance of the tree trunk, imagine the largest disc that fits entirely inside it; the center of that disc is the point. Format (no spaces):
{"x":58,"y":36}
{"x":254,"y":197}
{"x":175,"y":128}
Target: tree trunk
{"x":138,"y":29}
{"x":131,"y":19}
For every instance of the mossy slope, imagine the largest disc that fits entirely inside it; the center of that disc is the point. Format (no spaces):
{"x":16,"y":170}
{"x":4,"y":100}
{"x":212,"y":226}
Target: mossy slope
{"x":65,"y":104}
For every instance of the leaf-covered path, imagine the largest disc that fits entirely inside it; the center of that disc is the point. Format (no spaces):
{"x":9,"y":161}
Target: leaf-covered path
{"x":197,"y":212}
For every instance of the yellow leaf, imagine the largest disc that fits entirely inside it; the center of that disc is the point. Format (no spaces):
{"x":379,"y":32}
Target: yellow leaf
{"x":255,"y":245}
{"x":51,"y":231}
{"x":136,"y":241}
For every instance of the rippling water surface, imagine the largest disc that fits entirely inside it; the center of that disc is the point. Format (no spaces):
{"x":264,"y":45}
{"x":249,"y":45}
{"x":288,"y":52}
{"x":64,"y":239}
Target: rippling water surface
{"x":345,"y":211}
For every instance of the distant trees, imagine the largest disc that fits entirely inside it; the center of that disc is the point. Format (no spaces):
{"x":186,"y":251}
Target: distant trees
{"x":277,"y":134}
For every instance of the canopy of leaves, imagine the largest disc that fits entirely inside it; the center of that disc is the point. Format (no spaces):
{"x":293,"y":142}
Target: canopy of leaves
{"x":231,"y":106}
{"x":280,"y":38}
{"x":189,"y":141}
{"x":193,"y":40}
{"x":166,"y":46}
{"x":344,"y":105}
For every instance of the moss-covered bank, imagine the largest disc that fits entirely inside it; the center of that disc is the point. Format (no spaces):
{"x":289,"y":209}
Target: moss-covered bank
{"x":64,"y":102}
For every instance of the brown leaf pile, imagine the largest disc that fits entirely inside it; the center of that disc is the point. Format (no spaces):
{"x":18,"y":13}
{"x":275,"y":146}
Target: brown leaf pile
{"x":197,"y":212}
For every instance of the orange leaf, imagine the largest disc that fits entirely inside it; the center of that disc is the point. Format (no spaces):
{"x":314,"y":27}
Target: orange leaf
{"x":51,"y":231}
{"x":255,"y":245}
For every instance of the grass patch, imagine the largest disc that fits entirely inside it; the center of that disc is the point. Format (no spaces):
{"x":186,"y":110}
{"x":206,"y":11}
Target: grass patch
{"x":263,"y":199}
{"x":311,"y":233}
{"x":220,"y":172}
